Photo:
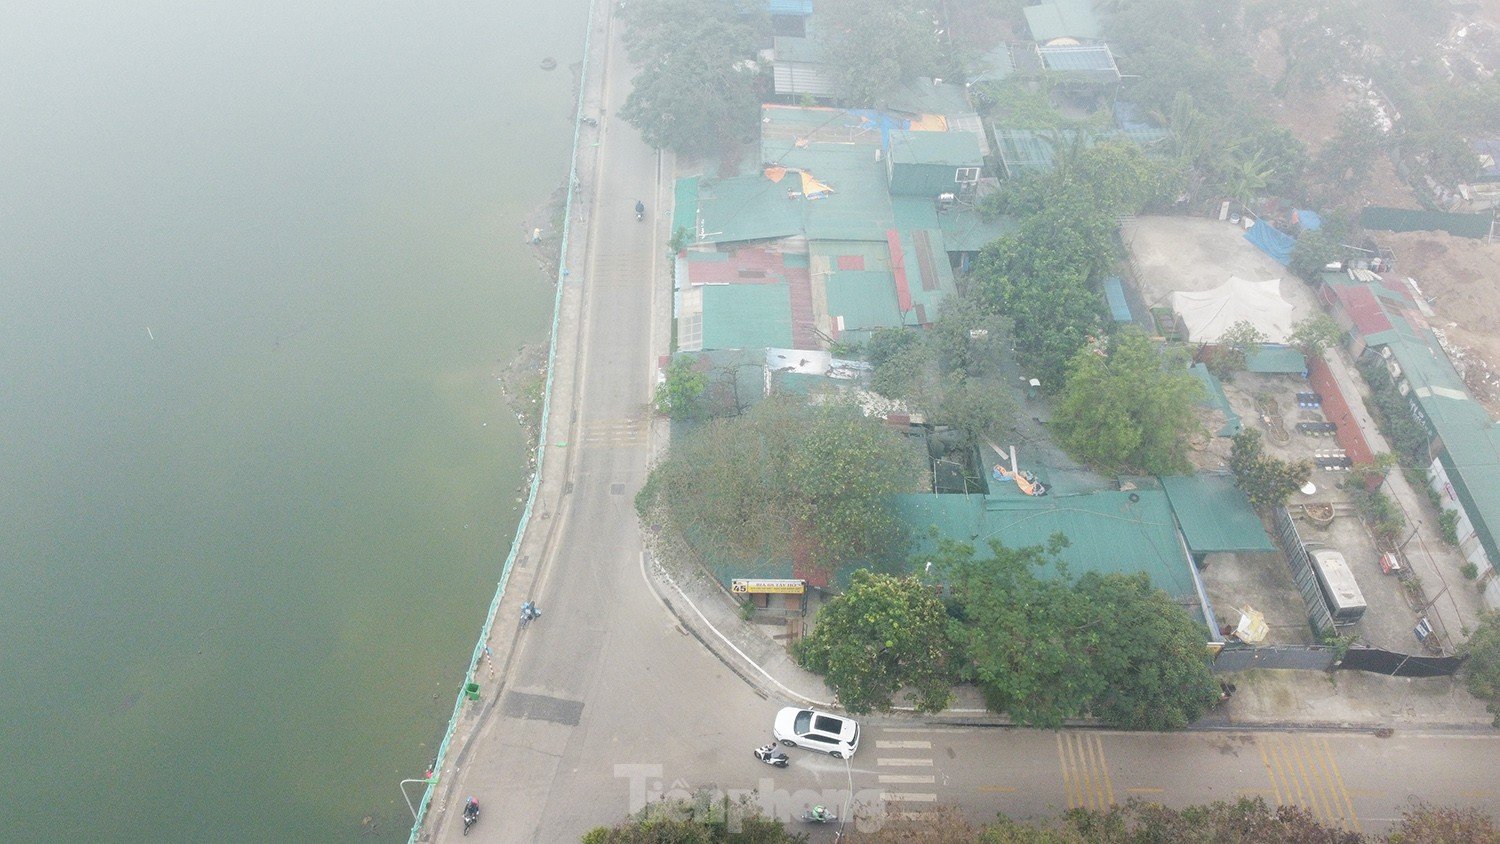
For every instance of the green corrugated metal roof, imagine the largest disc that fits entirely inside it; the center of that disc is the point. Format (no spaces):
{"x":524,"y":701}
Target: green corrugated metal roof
{"x":1276,"y":359}
{"x":864,"y":298}
{"x":746,"y":316}
{"x":747,"y":208}
{"x":923,"y":96}
{"x":1107,"y":531}
{"x":966,"y":230}
{"x":957,"y":149}
{"x":941,"y":270}
{"x":685,"y":204}
{"x":1213,"y":396}
{"x":1215,"y":515}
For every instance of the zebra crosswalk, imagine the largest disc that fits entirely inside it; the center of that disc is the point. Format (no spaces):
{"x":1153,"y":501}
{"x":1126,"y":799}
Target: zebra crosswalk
{"x":906,"y":774}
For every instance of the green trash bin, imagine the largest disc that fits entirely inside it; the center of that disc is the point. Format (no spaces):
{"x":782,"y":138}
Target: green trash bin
{"x":471,"y":691}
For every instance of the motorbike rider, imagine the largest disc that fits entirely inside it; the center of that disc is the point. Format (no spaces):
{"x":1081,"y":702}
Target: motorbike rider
{"x":471,"y":809}
{"x":819,"y":814}
{"x":640,"y":209}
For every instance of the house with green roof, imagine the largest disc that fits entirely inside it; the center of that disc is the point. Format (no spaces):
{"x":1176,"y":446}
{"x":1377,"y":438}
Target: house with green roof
{"x":1464,"y":442}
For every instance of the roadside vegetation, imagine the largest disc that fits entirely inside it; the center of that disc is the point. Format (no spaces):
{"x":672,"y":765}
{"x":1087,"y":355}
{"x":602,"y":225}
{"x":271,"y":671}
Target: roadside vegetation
{"x":1043,"y":648}
{"x":697,"y":88}
{"x":787,"y":480}
{"x":1481,"y":672}
{"x":709,"y":817}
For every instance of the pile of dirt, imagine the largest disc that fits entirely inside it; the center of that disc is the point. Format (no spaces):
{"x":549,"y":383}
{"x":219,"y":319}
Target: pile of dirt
{"x":1457,"y":276}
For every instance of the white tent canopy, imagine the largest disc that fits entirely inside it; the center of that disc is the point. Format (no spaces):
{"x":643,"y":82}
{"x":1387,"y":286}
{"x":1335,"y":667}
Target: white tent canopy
{"x":1207,"y":314}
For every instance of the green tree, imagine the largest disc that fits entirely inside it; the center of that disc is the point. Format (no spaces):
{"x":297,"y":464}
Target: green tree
{"x":1126,"y":405}
{"x":1312,"y":252}
{"x":1267,"y":481}
{"x":1481,"y":671}
{"x":1153,"y":654}
{"x":679,"y":394}
{"x":787,"y":474}
{"x":1232,"y":351}
{"x":695,"y":91}
{"x":1316,"y":334}
{"x":871,"y":47}
{"x":882,"y":635}
{"x":1019,"y":634}
{"x":706,"y":818}
{"x":1343,"y":164}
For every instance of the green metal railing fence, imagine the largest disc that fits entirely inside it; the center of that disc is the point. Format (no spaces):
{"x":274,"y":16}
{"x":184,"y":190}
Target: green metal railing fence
{"x":541,"y":445}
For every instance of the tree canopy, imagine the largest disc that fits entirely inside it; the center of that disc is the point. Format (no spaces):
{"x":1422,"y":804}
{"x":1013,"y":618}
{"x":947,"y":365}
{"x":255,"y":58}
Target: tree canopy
{"x":1127,"y":405}
{"x":696,"y":88}
{"x":1044,"y":650}
{"x":881,"y":635}
{"x":1267,"y":481}
{"x":871,"y":47}
{"x":1042,"y":276}
{"x":786,"y":476}
{"x":951,"y":371}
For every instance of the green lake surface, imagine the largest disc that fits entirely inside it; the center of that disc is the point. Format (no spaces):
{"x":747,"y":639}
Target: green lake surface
{"x":260,"y":267}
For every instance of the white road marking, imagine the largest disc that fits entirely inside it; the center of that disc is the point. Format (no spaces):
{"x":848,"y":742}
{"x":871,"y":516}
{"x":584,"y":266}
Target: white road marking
{"x":905,"y":763}
{"x":905,"y":797}
{"x":906,"y":779}
{"x":912,"y":745}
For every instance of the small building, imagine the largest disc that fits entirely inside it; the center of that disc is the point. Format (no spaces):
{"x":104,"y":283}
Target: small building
{"x":933,"y":163}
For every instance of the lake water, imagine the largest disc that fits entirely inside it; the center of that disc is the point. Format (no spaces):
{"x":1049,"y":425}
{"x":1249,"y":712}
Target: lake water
{"x":260,"y":265}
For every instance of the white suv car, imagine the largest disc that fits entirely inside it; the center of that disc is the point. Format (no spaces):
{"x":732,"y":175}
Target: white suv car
{"x":832,"y":734}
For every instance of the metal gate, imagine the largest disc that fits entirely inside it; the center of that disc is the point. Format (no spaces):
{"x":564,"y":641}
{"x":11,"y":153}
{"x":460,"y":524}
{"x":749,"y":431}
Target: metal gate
{"x":1379,"y":661}
{"x":1305,"y":657}
{"x":1297,"y":558}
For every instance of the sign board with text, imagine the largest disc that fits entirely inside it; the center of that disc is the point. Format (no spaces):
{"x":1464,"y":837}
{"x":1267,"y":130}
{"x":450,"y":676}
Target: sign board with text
{"x":750,"y":586}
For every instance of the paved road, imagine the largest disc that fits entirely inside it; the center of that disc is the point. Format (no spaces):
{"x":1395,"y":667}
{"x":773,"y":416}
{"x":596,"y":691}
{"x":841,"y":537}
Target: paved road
{"x":605,"y":677}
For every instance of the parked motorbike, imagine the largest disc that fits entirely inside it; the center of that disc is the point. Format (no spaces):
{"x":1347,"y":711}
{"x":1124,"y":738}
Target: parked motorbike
{"x":771,"y":756}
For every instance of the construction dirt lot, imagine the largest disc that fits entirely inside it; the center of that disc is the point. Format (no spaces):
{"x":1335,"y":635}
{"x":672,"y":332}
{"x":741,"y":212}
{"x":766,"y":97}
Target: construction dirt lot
{"x":1171,"y":254}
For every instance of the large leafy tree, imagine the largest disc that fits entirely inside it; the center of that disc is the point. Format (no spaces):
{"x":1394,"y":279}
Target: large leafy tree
{"x":1043,"y":650}
{"x":785,"y":473}
{"x":695,"y":90}
{"x":1267,"y":481}
{"x":871,"y":47}
{"x":1042,"y":276}
{"x":951,"y":371}
{"x":1016,"y":632}
{"x":882,"y":635}
{"x":1126,"y":405}
{"x":1153,"y":654}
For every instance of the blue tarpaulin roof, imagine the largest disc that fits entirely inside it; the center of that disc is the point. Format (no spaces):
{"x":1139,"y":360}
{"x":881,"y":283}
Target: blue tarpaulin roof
{"x":1114,"y":293}
{"x":1272,"y":241}
{"x":1308,"y":220}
